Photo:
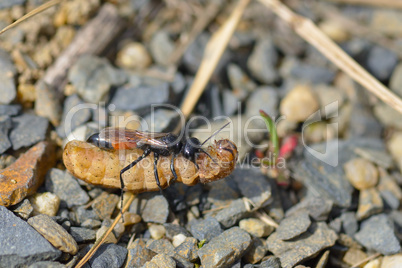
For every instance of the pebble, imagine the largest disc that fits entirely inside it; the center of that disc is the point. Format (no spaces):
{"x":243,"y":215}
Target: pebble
{"x":395,"y":83}
{"x":93,"y":76}
{"x":138,"y":254}
{"x":377,"y":233}
{"x":54,"y":233}
{"x":370,"y":203}
{"x":46,"y":264}
{"x":91,"y":224}
{"x":10,"y":110}
{"x":157,"y":231}
{"x":8,"y":91}
{"x":161,"y":246}
{"x":293,"y":226}
{"x":379,"y":157}
{"x":271,"y":262}
{"x":388,"y":116}
{"x":82,"y":235}
{"x":104,"y":205}
{"x":376,"y":263}
{"x":256,"y":227}
{"x":362,"y":122}
{"x":47,"y":103}
{"x":393,"y":261}
{"x":230,"y":215}
{"x":81,"y":214}
{"x":353,"y":256}
{"x":262,"y":61}
{"x":240,"y":83}
{"x":205,"y":229}
{"x":156,"y":210}
{"x":317,"y":208}
{"x":311,"y":73}
{"x":292,"y":252}
{"x":161,"y":260}
{"x":387,"y":21}
{"x":349,"y":223}
{"x":66,"y":187}
{"x":178,"y":239}
{"x":263,"y":98}
{"x":140,"y":97}
{"x":361,"y":173}
{"x":5,"y":126}
{"x":173,"y":230}
{"x":395,"y":148}
{"x":133,"y":55}
{"x":29,"y":129}
{"x":45,"y":203}
{"x":389,"y":190}
{"x":256,"y":251}
{"x":23,"y":209}
{"x":188,"y":249}
{"x":76,"y":112}
{"x":299,"y":104}
{"x":327,"y":96}
{"x":381,"y":62}
{"x":20,"y":244}
{"x":111,"y":238}
{"x":222,"y":193}
{"x":230,"y":102}
{"x":109,"y":255}
{"x":226,"y":248}
{"x":26,"y":174}
{"x":161,"y":47}
{"x":161,"y":120}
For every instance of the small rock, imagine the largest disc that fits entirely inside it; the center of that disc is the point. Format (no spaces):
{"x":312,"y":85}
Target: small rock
{"x":161,"y":120}
{"x":138,"y":254}
{"x":5,"y":126}
{"x":54,"y":233}
{"x":328,"y":95}
{"x":221,"y":193}
{"x":109,"y":255}
{"x":256,"y":251}
{"x":240,"y":83}
{"x":178,"y":240}
{"x":6,"y":160}
{"x":388,"y":116}
{"x":160,"y":260}
{"x":140,"y":97}
{"x":299,"y":104}
{"x":262,"y":61}
{"x":10,"y":110}
{"x":230,"y":215}
{"x":174,"y":229}
{"x":188,"y":249}
{"x":230,"y":102}
{"x":349,"y":223}
{"x":376,"y":233}
{"x":361,"y":173}
{"x":45,"y":203}
{"x":293,"y":226}
{"x":8,"y":90}
{"x":111,"y":238}
{"x":353,"y":256}
{"x":23,"y":209}
{"x":318,"y":208}
{"x":256,"y":227}
{"x":47,"y":264}
{"x":264,"y":98}
{"x":272,"y":262}
{"x":370,"y":203}
{"x":292,"y":252}
{"x":381,"y":62}
{"x":387,"y":21}
{"x":205,"y":229}
{"x":227,"y":248}
{"x":93,"y":76}
{"x":393,"y":261}
{"x":312,"y":73}
{"x":47,"y":103}
{"x":104,"y":205}
{"x":81,"y":214}
{"x":389,"y":190}
{"x":161,"y":246}
{"x":156,"y":210}
{"x":157,"y":231}
{"x":395,"y":82}
{"x":161,"y":47}
{"x":21,"y":245}
{"x":376,"y":263}
{"x":82,"y":235}
{"x":91,"y":224}
{"x":394,"y":145}
{"x":25,"y":175}
{"x":380,"y":158}
{"x":133,"y":55}
{"x":29,"y":129}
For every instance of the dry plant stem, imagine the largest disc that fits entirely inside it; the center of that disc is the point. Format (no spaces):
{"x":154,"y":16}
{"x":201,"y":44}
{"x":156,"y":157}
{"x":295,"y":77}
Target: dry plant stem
{"x":369,"y":258}
{"x":99,"y":242}
{"x":380,"y":3}
{"x":34,"y":12}
{"x":313,"y":35}
{"x":94,"y":37}
{"x":213,"y":52}
{"x":267,"y":219}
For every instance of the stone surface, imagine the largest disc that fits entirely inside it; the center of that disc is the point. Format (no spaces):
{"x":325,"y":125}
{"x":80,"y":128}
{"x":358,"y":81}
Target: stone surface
{"x":25,"y":175}
{"x":160,"y":260}
{"x":256,"y":227}
{"x":299,"y":104}
{"x":46,"y":264}
{"x":349,"y":223}
{"x":256,"y":251}
{"x":157,"y":231}
{"x":104,"y":205}
{"x":188,"y":249}
{"x":370,"y":203}
{"x":82,"y":235}
{"x":138,"y":254}
{"x":381,"y":62}
{"x":8,"y":91}
{"x":292,"y":252}
{"x":311,"y":73}
{"x":225,"y":249}
{"x":23,"y":209}
{"x":29,"y":129}
{"x":395,"y":82}
{"x":54,"y":233}
{"x":156,"y":210}
{"x":379,"y":157}
{"x":317,"y":208}
{"x":161,"y":47}
{"x":240,"y":83}
{"x":393,"y":261}
{"x":47,"y":103}
{"x":388,"y":116}
{"x":293,"y":226}
{"x":5,"y":126}
{"x":377,"y":233}
{"x":205,"y":229}
{"x":394,"y":146}
{"x":353,"y":256}
{"x":108,"y":255}
{"x":20,"y":244}
{"x":230,"y":215}
{"x":10,"y":110}
{"x":133,"y":55}
{"x":45,"y":203}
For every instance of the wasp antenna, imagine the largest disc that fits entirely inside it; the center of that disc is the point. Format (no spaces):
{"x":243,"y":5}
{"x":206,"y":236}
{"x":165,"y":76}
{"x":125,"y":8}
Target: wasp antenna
{"x":216,"y":132}
{"x":205,"y":152}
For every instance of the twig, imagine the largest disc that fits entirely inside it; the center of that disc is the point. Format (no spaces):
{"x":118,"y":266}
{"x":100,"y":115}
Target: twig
{"x":267,"y":219}
{"x":380,"y":3}
{"x":99,"y":242}
{"x":34,"y":12}
{"x":369,"y":258}
{"x":312,"y":34}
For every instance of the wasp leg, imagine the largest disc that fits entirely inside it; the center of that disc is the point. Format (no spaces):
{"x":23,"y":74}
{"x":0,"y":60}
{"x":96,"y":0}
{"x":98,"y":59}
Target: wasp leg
{"x":172,"y":168}
{"x":156,"y":157}
{"x":145,"y":154}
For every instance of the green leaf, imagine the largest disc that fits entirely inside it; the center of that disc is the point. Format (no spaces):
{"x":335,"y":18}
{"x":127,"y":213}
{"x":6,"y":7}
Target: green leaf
{"x":272,"y":131}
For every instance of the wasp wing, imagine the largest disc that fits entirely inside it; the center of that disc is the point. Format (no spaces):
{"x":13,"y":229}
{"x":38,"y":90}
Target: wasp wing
{"x":132,"y":138}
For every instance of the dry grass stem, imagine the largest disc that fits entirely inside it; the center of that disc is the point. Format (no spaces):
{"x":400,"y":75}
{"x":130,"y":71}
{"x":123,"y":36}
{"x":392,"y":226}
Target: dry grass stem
{"x":379,"y":3}
{"x":313,"y":35}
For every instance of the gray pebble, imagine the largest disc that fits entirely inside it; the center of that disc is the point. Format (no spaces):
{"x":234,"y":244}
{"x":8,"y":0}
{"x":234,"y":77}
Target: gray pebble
{"x":5,"y":126}
{"x":20,"y":244}
{"x":108,"y":255}
{"x":256,"y":251}
{"x":82,"y":235}
{"x":29,"y":129}
{"x":262,"y":61}
{"x":293,"y":226}
{"x":312,"y":73}
{"x":349,"y":223}
{"x":230,"y":215}
{"x":93,"y":76}
{"x":239,"y":81}
{"x":395,"y":82}
{"x":161,"y":260}
{"x":227,"y":248}
{"x":318,"y":208}
{"x":47,"y":264}
{"x":381,"y":158}
{"x":264,"y":98}
{"x":161,"y":120}
{"x":222,"y":192}
{"x":163,"y":246}
{"x":104,"y":205}
{"x":10,"y":110}
{"x":65,"y":187}
{"x":272,"y":262}
{"x":390,"y":199}
{"x":161,"y":47}
{"x":75,"y":113}
{"x":138,"y":254}
{"x":140,"y":97}
{"x":9,"y":3}
{"x":292,"y":252}
{"x":81,"y":214}
{"x":205,"y":229}
{"x":230,"y":102}
{"x":47,"y":103}
{"x":377,"y":233}
{"x":362,"y":122}
{"x":23,"y":209}
{"x":175,"y":229}
{"x":188,"y":249}
{"x":8,"y":90}
{"x":156,"y":210}
{"x":381,"y":62}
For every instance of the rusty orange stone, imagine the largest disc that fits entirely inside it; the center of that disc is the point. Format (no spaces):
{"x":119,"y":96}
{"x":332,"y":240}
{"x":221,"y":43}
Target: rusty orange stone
{"x":24,"y":176}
